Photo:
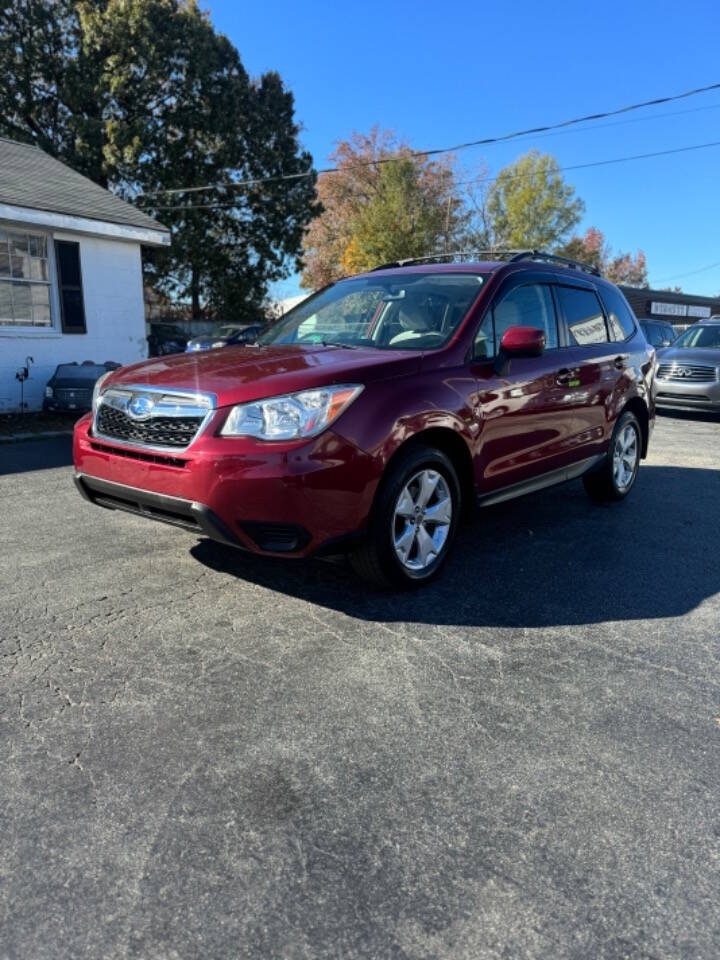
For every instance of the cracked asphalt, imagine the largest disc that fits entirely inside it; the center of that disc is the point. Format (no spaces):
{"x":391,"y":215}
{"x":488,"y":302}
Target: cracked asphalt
{"x":206,"y":755}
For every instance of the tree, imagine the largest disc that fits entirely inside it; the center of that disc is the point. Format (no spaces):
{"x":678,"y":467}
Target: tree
{"x":624,"y":268}
{"x":405,"y":217}
{"x":50,"y":93}
{"x":381,"y":205}
{"x":144,"y":95}
{"x":530,"y":206}
{"x":593,"y":248}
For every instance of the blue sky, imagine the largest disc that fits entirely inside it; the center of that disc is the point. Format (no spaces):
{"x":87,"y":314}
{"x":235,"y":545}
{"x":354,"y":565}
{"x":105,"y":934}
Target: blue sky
{"x":439,"y":74}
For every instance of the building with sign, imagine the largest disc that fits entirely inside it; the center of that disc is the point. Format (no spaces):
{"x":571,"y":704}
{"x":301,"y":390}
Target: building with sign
{"x":678,"y":308}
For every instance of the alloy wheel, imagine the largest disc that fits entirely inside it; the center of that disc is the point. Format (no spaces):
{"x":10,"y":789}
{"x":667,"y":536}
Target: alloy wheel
{"x":422,"y":519}
{"x":625,"y":457}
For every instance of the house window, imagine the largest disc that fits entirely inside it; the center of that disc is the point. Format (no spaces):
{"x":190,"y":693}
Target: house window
{"x":72,"y":307}
{"x":24,"y":280}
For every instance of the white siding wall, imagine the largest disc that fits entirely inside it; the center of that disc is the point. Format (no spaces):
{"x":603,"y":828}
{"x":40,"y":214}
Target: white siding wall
{"x":114,"y":314}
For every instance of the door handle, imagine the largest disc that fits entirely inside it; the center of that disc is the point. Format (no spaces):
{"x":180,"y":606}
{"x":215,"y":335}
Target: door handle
{"x":619,"y":362}
{"x":563,"y":377}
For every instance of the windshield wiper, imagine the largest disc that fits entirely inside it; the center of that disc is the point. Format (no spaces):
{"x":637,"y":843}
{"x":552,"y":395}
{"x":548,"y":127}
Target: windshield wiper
{"x":339,"y":343}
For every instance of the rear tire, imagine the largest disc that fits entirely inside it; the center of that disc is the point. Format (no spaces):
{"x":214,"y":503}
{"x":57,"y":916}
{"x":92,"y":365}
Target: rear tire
{"x":616,"y":477}
{"x":413,"y":521}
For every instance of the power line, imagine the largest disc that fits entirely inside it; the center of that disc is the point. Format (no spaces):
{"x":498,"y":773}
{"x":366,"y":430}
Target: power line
{"x":622,"y":123}
{"x":517,"y":176}
{"x":558,"y":133}
{"x":689,"y":273}
{"x":235,"y":184}
{"x":598,"y":163}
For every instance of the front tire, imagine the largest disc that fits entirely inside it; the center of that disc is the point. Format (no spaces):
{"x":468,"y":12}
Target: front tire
{"x":616,"y":478}
{"x":413,"y":521}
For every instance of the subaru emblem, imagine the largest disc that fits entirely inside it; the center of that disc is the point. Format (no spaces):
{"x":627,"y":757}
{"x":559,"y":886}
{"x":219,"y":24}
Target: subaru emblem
{"x":140,"y":407}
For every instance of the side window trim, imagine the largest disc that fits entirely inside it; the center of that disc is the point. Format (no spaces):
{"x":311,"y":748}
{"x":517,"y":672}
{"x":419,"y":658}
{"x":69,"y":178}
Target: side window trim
{"x":562,"y":330}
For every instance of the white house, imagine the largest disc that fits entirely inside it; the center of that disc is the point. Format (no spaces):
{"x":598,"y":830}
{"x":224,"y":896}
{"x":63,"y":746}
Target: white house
{"x":70,"y":272}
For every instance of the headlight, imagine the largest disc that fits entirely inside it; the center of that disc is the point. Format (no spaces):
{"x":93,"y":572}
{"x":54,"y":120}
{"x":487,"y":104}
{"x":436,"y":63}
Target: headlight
{"x":294,"y":416}
{"x":218,"y":343}
{"x":98,"y":388}
{"x":49,"y":392}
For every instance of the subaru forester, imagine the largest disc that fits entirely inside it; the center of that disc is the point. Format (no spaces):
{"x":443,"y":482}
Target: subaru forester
{"x":379,"y":412}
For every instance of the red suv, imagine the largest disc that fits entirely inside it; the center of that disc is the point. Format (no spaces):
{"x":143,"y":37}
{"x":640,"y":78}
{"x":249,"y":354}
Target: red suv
{"x":374,"y":415}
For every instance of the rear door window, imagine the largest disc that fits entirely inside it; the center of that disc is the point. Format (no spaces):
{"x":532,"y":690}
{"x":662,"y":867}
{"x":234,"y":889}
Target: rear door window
{"x":583,"y":316}
{"x":622,"y":321}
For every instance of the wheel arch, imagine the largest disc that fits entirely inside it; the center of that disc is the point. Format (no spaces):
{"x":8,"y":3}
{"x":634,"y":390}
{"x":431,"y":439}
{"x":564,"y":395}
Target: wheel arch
{"x":639,"y":408}
{"x":453,"y":446}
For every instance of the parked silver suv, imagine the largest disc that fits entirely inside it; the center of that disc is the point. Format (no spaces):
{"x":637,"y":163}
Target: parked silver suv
{"x":688,"y":372}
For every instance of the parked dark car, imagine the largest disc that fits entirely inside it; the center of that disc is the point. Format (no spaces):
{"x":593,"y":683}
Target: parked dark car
{"x":658,"y":333}
{"x":229,"y":335}
{"x":375,"y":414}
{"x":688,"y":372}
{"x":166,"y":338}
{"x":71,"y":386}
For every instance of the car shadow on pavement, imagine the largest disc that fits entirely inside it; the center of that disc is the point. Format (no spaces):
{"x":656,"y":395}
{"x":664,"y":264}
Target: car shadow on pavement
{"x":550,"y":559}
{"x":37,"y":454}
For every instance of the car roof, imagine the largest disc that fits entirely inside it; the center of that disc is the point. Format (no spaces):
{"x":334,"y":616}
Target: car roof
{"x":480,"y":266}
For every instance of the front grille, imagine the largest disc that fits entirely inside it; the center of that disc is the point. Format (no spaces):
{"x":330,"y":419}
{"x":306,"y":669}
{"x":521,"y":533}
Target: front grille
{"x":68,"y":395}
{"x":686,"y":373}
{"x":156,"y":432}
{"x":683,"y":398}
{"x":160,"y":458}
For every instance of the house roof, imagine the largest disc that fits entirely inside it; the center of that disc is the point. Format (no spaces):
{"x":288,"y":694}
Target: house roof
{"x":31,"y":178}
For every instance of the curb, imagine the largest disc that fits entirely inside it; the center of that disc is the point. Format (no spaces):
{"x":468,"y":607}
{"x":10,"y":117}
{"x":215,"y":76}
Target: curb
{"x":43,"y":435}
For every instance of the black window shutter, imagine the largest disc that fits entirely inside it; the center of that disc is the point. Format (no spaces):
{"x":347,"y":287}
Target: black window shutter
{"x":72,"y":307}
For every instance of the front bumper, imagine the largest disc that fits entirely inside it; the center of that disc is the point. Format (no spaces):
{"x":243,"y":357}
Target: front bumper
{"x":687,"y":396}
{"x":291,"y":499}
{"x":188,"y":514}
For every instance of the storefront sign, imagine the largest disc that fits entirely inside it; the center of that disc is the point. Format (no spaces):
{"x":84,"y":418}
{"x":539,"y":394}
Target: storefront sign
{"x":678,"y":310}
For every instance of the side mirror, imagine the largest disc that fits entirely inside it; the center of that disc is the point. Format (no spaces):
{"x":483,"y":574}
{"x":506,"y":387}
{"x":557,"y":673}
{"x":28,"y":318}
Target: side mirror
{"x":519,"y":342}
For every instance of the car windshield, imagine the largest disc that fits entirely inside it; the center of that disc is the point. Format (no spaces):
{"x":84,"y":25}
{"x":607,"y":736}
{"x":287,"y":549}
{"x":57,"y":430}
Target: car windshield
{"x":226,"y":331}
{"x":416,"y":311}
{"x":702,"y":336}
{"x":81,"y":371}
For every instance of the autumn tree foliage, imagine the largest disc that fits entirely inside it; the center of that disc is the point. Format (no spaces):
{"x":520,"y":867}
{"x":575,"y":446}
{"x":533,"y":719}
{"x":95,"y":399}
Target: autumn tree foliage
{"x":592,"y":247}
{"x":529,"y":204}
{"x":383,"y":204}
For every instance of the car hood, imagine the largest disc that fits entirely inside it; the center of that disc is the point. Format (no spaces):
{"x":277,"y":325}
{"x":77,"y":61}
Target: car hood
{"x":707,"y":357}
{"x":240,"y":374}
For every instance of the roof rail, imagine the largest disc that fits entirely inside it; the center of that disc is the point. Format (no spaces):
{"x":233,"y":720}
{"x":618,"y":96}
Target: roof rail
{"x":502,"y":254}
{"x":430,"y":258}
{"x":555,"y":258}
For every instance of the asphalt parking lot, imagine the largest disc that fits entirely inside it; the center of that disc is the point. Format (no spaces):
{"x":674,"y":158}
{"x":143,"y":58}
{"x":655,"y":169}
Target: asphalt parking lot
{"x":205,"y":755}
